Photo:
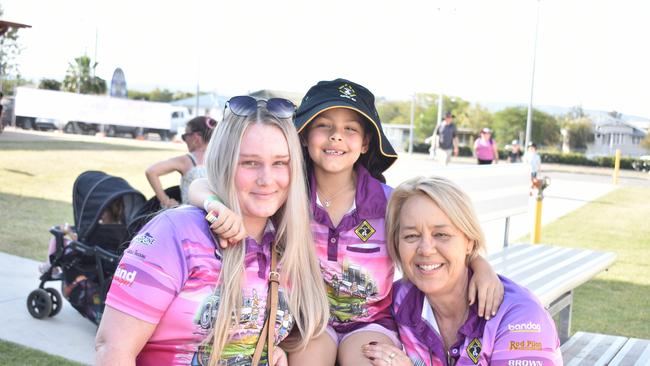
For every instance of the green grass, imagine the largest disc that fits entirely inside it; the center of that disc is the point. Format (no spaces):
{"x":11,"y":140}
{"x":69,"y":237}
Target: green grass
{"x":616,"y":301}
{"x":36,"y":181}
{"x":14,"y":354}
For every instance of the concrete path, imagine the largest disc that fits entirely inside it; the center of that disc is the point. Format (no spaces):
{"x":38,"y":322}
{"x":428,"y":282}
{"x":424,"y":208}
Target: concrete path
{"x":67,"y":334}
{"x":70,"y":335}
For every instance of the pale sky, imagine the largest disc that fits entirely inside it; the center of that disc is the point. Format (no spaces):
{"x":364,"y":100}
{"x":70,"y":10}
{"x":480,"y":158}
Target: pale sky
{"x":589,"y":52}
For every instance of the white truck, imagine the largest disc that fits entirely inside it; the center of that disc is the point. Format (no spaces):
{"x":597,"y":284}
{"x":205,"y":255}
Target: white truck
{"x":83,"y":113}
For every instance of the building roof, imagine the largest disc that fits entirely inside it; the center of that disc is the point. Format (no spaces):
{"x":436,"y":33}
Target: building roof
{"x":5,"y":25}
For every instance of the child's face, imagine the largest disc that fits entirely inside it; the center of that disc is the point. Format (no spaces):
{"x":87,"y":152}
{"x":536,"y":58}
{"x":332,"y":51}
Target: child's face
{"x":336,"y":139}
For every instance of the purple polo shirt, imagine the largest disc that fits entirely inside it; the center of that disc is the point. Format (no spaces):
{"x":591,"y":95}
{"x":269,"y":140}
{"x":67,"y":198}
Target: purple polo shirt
{"x":521,"y":333}
{"x":353,"y":257}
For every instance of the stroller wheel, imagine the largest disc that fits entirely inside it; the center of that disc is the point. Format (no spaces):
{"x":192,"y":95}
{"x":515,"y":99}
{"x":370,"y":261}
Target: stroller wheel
{"x":39,"y":303}
{"x":57,"y":301}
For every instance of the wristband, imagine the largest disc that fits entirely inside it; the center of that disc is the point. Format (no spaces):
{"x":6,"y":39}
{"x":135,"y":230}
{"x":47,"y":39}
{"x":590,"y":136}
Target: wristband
{"x":210,"y":199}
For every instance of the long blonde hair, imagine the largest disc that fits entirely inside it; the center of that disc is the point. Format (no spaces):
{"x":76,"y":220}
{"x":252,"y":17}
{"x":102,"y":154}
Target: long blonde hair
{"x":450,"y":198}
{"x":300,"y":272}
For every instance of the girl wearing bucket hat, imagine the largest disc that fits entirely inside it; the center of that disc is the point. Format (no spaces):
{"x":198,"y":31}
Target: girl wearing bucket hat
{"x":346,"y":153}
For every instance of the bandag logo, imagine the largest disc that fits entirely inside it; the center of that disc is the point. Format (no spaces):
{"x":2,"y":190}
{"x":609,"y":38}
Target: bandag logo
{"x":124,"y":277}
{"x":529,"y":327}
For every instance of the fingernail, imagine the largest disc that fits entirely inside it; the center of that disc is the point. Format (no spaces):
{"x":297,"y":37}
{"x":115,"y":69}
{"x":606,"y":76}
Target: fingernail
{"x":373,"y":343}
{"x":494,"y":313}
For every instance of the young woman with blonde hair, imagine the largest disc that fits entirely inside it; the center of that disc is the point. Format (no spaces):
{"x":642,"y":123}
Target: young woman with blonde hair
{"x":179,"y":292}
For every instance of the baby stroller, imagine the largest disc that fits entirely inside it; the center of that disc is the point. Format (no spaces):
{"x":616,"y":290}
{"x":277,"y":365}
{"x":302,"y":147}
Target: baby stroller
{"x":104,"y":206}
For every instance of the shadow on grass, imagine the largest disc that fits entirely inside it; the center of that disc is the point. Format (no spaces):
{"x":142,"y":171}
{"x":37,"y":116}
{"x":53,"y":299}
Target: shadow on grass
{"x":26,"y":222}
{"x":73,"y":145}
{"x":612,"y":307}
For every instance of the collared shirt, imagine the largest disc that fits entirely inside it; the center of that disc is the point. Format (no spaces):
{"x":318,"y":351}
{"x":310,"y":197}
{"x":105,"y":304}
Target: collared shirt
{"x":521,"y":331}
{"x":354,"y":259}
{"x":168,"y":277}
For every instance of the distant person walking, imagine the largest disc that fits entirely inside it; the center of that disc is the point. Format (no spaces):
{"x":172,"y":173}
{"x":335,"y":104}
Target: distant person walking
{"x":533,"y":159}
{"x":445,"y":141}
{"x":485,"y":148}
{"x":515,"y":153}
{"x":197,"y":135}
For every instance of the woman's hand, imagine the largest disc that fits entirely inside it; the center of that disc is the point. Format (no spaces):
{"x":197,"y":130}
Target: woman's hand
{"x":227,"y":225}
{"x":486,"y":285}
{"x":384,"y":354}
{"x":279,"y":357}
{"x":170,"y":203}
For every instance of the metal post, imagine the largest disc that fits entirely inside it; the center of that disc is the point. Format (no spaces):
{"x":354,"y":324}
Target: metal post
{"x":412,"y":124}
{"x":617,"y":166}
{"x":536,"y":234}
{"x":529,"y":116}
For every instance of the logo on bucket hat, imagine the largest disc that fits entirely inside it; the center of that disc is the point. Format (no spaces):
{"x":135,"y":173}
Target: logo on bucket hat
{"x":348,"y":92}
{"x":341,"y":93}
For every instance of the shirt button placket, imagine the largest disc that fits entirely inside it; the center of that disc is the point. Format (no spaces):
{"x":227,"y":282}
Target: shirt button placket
{"x":332,"y":246}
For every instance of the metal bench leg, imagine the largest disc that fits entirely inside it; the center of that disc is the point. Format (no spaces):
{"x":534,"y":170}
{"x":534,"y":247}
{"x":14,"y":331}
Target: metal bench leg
{"x":506,"y":234}
{"x":563,"y":306}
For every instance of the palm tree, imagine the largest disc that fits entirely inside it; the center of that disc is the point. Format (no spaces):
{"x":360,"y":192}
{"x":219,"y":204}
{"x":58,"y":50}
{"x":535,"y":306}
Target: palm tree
{"x":80,"y":77}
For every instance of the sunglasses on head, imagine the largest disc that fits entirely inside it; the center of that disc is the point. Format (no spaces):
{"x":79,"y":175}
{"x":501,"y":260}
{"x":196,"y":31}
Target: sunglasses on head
{"x":186,"y":135}
{"x":245,"y":106}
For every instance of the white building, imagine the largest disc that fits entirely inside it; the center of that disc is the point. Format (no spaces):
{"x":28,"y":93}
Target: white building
{"x":611,"y":134}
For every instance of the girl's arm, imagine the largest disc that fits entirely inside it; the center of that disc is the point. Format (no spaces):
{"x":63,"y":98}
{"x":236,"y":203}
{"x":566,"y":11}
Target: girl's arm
{"x":228,"y":226}
{"x":158,"y":169}
{"x":486,"y":284}
{"x":120,"y":338}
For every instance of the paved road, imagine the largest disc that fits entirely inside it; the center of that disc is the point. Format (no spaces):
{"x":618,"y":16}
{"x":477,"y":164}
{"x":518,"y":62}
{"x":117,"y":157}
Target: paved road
{"x":71,"y":336}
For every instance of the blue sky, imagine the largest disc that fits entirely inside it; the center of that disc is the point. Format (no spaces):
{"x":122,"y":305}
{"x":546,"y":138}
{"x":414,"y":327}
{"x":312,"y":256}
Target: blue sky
{"x":589,"y":52}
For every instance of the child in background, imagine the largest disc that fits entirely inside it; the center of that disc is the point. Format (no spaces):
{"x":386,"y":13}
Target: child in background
{"x":533,"y":159}
{"x":346,"y":153}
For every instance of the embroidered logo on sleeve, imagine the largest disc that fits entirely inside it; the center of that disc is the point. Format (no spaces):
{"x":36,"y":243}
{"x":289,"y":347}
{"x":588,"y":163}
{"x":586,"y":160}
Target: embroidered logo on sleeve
{"x":364,"y":231}
{"x":144,"y":239}
{"x":474,"y":350}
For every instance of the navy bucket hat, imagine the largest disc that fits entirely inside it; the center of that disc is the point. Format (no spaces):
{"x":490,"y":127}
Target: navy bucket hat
{"x":341,"y":93}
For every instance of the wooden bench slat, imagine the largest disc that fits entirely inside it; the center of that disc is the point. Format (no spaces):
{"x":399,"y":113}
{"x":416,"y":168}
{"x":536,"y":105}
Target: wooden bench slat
{"x":548,"y":271}
{"x":591,"y":349}
{"x":636,"y":352}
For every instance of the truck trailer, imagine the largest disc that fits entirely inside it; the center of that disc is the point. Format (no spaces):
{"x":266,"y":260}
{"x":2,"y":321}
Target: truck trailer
{"x":89,"y":114}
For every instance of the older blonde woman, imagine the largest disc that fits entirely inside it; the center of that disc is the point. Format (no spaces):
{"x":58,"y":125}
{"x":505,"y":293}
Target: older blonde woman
{"x":433,"y":233}
{"x":179,"y":298}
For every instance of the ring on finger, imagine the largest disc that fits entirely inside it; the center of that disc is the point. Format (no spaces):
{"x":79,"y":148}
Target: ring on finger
{"x":392,"y":355}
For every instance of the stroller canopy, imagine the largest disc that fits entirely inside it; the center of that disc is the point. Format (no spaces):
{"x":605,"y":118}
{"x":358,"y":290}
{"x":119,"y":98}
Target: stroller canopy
{"x":93,"y":192}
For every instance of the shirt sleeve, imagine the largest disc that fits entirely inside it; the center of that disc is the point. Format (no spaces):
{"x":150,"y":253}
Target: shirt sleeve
{"x":151,"y":272}
{"x":526,"y":333}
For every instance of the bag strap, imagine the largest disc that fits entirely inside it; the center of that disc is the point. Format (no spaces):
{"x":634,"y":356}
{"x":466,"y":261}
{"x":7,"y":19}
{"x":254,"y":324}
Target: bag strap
{"x":268,"y":330}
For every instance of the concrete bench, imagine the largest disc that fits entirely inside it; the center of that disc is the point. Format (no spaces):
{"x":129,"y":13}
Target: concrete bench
{"x":592,"y":349}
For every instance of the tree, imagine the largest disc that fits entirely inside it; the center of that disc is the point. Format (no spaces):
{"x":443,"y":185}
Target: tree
{"x":615,"y":114}
{"x":581,"y":132}
{"x":49,"y":84}
{"x":476,"y":117}
{"x":9,"y":50}
{"x":510,"y":122}
{"x":80,"y":77}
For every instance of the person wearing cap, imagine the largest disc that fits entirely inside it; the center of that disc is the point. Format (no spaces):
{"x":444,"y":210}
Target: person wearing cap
{"x":515,"y":152}
{"x":485,"y":148}
{"x":445,"y":141}
{"x":346,"y":153}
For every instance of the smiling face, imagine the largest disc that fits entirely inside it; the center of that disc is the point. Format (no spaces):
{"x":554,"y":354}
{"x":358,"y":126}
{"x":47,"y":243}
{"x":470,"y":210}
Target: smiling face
{"x":335,"y":140}
{"x":262,"y":176}
{"x":433,"y":251}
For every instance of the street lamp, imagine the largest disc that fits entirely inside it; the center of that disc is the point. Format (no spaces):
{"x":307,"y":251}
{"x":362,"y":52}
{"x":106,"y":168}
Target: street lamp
{"x":532,"y":82}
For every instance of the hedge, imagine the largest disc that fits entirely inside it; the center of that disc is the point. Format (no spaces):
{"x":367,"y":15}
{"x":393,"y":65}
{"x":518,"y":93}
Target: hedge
{"x":547,"y":157}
